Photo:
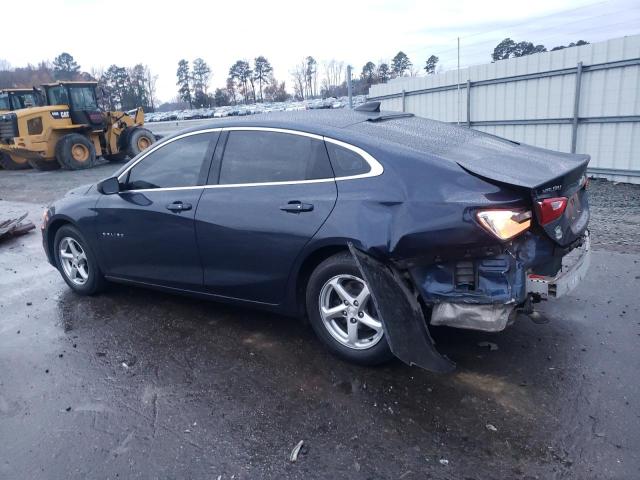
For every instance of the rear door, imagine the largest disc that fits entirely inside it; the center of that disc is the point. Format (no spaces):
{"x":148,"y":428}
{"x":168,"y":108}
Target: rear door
{"x":146,"y":232}
{"x":270,"y":193}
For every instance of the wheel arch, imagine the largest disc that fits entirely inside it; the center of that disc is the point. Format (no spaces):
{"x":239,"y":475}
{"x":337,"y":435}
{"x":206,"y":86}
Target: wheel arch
{"x":53,"y":227}
{"x":311,"y":259}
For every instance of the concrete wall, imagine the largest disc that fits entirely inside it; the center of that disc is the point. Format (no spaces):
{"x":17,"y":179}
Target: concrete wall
{"x":532,"y":99}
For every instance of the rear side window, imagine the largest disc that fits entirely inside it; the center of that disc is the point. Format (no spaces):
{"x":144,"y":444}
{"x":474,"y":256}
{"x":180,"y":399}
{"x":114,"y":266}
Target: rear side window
{"x":262,"y":157}
{"x":346,"y":162}
{"x":176,"y":164}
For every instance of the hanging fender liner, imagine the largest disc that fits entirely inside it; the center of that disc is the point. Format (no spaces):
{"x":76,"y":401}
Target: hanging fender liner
{"x":401,"y":315}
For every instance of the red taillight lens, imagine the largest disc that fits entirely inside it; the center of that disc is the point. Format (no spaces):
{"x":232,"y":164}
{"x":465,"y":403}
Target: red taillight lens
{"x":550,"y":209}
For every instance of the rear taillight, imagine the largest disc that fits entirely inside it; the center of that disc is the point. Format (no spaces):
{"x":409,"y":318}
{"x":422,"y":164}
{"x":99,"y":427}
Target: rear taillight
{"x":550,"y":209}
{"x":504,"y":224}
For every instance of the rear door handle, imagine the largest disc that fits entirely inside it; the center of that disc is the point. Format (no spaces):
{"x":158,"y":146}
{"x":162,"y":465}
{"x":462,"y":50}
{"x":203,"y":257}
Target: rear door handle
{"x":179,"y":206}
{"x":296,"y":206}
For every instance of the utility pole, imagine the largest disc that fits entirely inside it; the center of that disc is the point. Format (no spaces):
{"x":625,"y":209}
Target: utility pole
{"x":349,"y":86}
{"x":458,"y":82}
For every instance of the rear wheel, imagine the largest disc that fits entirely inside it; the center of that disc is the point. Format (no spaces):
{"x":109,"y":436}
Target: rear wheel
{"x":139,"y":140}
{"x":76,"y":262}
{"x":75,"y":151}
{"x":342,"y":312}
{"x":13,"y":163}
{"x":44,"y":165}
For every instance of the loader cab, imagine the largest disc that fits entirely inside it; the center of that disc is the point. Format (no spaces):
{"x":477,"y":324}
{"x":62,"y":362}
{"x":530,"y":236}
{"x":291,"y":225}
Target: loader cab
{"x":81,"y":99}
{"x":19,"y":98}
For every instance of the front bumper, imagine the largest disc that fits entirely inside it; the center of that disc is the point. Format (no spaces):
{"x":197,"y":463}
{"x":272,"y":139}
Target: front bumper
{"x":574,"y":269}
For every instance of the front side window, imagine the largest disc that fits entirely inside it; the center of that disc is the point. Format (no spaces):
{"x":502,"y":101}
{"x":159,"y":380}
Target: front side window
{"x":4,"y":102}
{"x":83,"y":98}
{"x":263,"y":157}
{"x":58,"y":96}
{"x":179,"y":163}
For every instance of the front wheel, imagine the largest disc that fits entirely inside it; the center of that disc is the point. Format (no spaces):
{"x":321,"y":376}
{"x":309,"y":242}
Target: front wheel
{"x":139,"y":140}
{"x":75,"y":151}
{"x":342,"y":312}
{"x":76,"y":262}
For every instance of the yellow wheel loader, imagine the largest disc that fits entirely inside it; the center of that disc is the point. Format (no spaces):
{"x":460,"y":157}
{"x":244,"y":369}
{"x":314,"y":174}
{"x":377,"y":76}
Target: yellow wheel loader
{"x":71,"y":131}
{"x":15,"y":99}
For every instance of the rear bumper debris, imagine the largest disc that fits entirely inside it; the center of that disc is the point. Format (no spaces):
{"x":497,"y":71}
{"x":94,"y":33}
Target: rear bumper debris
{"x":574,"y":269}
{"x":401,"y":314}
{"x":488,"y":318}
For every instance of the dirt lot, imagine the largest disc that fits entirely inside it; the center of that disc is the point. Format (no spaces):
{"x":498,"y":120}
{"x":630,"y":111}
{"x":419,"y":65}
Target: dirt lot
{"x":140,"y":384}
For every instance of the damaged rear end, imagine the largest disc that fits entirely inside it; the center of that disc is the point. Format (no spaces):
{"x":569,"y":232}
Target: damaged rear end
{"x":529,"y":247}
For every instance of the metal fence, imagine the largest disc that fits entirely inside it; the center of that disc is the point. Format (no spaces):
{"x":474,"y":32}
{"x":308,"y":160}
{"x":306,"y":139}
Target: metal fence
{"x":581,"y":99}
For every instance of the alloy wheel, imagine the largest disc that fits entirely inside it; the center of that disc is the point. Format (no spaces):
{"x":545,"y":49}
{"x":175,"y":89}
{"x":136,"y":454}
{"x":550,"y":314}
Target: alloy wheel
{"x":348,"y":312}
{"x":74,"y":261}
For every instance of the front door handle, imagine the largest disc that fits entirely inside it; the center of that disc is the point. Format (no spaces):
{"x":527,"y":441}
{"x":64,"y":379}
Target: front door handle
{"x":296,"y":206}
{"x":178,"y":206}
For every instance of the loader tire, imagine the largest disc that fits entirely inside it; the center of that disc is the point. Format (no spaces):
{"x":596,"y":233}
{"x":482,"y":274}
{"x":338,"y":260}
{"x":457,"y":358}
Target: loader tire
{"x":44,"y":165}
{"x":138,"y":140}
{"x":10,"y":163}
{"x":75,"y":152}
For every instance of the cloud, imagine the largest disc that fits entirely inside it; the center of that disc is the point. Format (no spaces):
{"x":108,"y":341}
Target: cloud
{"x":161,"y":33}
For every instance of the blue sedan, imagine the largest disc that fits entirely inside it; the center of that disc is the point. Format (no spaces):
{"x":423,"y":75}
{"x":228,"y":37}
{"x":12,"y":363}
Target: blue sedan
{"x":375,"y":225}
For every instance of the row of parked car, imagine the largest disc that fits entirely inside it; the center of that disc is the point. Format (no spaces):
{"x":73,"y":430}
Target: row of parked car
{"x":252,"y":109}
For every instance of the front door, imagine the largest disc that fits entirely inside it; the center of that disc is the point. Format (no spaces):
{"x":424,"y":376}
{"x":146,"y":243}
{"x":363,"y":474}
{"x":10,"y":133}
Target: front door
{"x":146,"y":232}
{"x":275,"y":190}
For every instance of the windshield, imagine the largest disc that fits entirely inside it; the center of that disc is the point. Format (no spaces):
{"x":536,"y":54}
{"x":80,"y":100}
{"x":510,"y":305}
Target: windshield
{"x":4,"y":101}
{"x":24,"y":100}
{"x":83,"y":98}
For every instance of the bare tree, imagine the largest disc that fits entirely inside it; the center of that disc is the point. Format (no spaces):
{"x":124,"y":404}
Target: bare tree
{"x":150,"y":80}
{"x":299,"y":74}
{"x":333,"y":74}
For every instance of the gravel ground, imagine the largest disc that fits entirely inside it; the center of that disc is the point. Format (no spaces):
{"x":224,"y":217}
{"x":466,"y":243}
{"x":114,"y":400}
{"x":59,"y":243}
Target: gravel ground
{"x":615,"y":215}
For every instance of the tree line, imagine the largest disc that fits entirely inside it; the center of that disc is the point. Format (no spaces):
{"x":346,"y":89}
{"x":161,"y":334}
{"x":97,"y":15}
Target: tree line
{"x":124,"y":88}
{"x":247,"y":82}
{"x":508,"y":48}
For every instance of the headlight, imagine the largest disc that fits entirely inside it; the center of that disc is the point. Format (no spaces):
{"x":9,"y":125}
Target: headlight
{"x":504,"y":224}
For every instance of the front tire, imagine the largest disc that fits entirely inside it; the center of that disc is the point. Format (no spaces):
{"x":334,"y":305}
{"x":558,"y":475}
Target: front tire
{"x":75,"y":152}
{"x":76,"y":262}
{"x":342,"y":312}
{"x":139,"y":140}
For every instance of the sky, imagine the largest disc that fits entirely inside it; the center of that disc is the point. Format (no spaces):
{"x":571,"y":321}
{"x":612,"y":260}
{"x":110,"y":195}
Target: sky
{"x":159,"y":33}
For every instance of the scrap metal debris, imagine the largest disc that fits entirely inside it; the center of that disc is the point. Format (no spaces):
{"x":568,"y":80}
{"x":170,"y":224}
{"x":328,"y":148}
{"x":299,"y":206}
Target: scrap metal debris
{"x":296,"y":450}
{"x":492,"y":346}
{"x":15,"y":226}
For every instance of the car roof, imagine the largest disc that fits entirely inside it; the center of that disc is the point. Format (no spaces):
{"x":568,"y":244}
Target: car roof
{"x":401,"y":134}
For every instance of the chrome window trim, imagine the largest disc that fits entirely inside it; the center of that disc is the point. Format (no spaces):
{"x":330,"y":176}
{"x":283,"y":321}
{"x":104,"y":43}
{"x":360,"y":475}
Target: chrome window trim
{"x":376,"y":168}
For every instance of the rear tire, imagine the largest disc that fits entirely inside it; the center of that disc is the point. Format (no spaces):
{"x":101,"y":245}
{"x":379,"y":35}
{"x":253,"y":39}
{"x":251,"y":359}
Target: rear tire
{"x":75,"y":152}
{"x":76,"y":262}
{"x":367,"y":346}
{"x":139,"y":140}
{"x":44,"y":165}
{"x":10,"y":163}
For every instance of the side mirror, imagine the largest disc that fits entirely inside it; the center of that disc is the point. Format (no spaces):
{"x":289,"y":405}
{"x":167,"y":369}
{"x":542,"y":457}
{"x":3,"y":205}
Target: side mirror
{"x":109,"y":186}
